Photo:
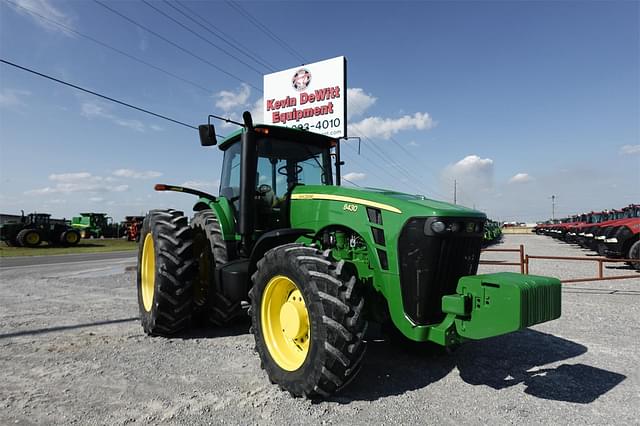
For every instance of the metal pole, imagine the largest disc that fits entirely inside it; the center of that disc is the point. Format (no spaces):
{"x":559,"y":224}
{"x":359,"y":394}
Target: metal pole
{"x":521,"y":258}
{"x":455,"y":190}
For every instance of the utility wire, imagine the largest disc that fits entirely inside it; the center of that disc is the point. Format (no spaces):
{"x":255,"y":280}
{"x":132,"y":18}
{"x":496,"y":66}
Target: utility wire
{"x":107,"y":46}
{"x":146,"y":111}
{"x":209,"y":27}
{"x":172,"y":19}
{"x":177,"y":46}
{"x":241,"y":10}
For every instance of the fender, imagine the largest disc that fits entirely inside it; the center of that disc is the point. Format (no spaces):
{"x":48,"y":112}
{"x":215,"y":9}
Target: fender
{"x":272,"y":239}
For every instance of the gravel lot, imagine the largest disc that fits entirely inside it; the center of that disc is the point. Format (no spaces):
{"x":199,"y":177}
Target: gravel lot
{"x":72,"y":351}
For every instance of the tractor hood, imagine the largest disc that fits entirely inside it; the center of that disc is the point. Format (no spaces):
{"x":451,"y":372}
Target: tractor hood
{"x":407,"y":205}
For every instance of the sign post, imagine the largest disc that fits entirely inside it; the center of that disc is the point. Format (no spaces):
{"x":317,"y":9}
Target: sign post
{"x":311,"y":97}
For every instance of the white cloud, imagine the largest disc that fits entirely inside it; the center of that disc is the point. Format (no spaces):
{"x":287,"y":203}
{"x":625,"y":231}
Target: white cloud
{"x":386,"y":127}
{"x":99,"y":110}
{"x":257,"y":111}
{"x":520,"y":178}
{"x":358,"y":102}
{"x":355,"y":176}
{"x":630,"y":149}
{"x":474,"y":176}
{"x":69,"y":187}
{"x":228,"y":100}
{"x":413,"y":143}
{"x":96,"y":199}
{"x":201,"y":184}
{"x":134,"y":174}
{"x":11,"y":98}
{"x":45,"y":8}
{"x":156,"y":128}
{"x":70,"y":177}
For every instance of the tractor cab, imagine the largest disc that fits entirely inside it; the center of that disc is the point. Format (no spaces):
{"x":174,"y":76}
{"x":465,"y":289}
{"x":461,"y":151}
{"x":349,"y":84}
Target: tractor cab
{"x":38,"y":219}
{"x":285,"y":158}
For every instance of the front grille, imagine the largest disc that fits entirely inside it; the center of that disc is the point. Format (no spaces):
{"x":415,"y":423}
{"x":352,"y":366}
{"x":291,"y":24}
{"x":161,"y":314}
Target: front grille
{"x":431,"y":265}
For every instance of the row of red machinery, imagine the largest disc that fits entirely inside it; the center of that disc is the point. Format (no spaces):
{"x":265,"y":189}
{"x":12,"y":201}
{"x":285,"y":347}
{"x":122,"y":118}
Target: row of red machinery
{"x":612,"y":233}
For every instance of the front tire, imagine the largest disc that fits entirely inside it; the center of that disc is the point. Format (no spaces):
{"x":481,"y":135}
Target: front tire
{"x":165,"y":273}
{"x":307,"y":320}
{"x":70,"y":237}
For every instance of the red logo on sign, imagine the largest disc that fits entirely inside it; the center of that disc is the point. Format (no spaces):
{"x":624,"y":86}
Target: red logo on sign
{"x":301,"y":79}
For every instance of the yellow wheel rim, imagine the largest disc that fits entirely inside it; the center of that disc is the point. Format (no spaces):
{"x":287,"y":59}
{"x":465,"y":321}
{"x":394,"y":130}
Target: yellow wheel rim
{"x":285,"y":323}
{"x":72,"y":237}
{"x":33,"y":238}
{"x":148,"y":272}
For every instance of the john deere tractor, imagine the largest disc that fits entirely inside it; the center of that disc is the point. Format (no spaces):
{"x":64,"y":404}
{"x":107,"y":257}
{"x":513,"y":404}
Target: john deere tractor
{"x":314,"y":262}
{"x":35,"y":228}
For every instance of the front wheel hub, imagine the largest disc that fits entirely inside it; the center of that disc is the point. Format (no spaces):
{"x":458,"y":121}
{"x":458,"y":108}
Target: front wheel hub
{"x":285,"y":323}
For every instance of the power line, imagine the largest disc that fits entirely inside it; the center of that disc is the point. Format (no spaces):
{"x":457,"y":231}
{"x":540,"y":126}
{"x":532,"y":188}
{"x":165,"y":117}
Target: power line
{"x":177,"y":46}
{"x":207,"y":26}
{"x":128,"y":105}
{"x":241,"y":10}
{"x":107,"y":46}
{"x":172,"y":19}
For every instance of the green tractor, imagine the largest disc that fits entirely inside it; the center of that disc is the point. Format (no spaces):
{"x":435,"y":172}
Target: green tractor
{"x":95,"y":225}
{"x":315,"y":262}
{"x":35,"y":228}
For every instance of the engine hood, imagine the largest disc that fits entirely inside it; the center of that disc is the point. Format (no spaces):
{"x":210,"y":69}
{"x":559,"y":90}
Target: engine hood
{"x":407,"y":205}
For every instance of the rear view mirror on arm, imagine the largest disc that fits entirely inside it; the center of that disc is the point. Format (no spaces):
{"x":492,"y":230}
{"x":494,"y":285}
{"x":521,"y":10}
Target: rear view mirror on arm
{"x":207,"y":135}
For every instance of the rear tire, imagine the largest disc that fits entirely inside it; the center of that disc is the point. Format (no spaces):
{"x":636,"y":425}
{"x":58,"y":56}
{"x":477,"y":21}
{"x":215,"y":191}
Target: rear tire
{"x":29,"y":238}
{"x":326,"y":358}
{"x":165,"y":273}
{"x":210,"y":252}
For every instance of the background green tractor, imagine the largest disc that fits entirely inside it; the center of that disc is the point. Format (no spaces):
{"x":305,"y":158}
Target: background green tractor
{"x":95,"y":225}
{"x":35,"y":228}
{"x":315,"y":262}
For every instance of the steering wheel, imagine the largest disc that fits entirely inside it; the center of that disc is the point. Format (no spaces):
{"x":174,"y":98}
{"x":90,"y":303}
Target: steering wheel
{"x":264,"y":189}
{"x":283,"y":170}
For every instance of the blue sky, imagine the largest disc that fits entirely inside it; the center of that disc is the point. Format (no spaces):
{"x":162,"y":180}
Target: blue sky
{"x":517,"y":101}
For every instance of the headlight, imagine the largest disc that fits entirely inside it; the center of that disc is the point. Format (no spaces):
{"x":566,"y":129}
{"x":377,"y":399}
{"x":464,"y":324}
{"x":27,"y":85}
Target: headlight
{"x":438,"y":227}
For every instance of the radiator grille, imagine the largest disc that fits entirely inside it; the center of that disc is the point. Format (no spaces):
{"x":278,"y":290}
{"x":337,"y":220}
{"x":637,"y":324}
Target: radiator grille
{"x":431,"y":265}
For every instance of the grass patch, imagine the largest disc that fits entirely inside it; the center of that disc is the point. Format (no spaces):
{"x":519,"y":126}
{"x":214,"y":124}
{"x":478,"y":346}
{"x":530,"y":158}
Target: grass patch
{"x":85,"y":246}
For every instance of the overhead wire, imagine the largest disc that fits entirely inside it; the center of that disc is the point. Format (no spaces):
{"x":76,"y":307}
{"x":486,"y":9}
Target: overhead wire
{"x":242,"y":11}
{"x":209,"y":27}
{"x":177,"y":46}
{"x":206,"y":40}
{"x":110,"y":47}
{"x":109,"y":98}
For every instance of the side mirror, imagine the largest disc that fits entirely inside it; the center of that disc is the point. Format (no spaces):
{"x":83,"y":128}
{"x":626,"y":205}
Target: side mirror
{"x":207,"y":135}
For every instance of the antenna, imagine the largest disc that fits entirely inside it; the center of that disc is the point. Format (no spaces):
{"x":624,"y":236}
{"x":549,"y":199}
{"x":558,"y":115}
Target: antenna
{"x":553,"y":207}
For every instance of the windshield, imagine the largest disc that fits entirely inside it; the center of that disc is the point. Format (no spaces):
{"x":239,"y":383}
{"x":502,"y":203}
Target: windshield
{"x":281,"y":165}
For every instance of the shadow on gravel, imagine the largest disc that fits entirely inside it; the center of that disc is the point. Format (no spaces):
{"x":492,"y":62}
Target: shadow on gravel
{"x":499,"y":363}
{"x":235,"y":328}
{"x":66,"y":327}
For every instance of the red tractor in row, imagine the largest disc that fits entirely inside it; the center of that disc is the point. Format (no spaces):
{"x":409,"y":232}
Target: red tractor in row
{"x":612,"y":233}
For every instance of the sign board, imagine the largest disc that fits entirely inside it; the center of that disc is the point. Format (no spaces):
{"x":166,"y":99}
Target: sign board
{"x":311,"y":97}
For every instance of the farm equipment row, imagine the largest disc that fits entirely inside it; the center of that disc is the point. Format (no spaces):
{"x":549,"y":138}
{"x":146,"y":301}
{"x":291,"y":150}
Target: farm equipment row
{"x":33,"y":229}
{"x":612,"y":233}
{"x":99,"y":225}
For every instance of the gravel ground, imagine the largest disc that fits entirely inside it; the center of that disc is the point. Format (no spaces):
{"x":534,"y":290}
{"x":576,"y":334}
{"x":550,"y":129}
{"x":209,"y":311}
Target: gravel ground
{"x":72,"y":351}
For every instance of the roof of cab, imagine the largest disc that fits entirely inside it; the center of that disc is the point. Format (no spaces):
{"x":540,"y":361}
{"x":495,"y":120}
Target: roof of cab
{"x":279,"y":132}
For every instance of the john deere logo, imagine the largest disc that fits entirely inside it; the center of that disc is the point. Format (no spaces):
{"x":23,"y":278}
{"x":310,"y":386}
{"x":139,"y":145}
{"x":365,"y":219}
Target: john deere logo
{"x":301,"y":79}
